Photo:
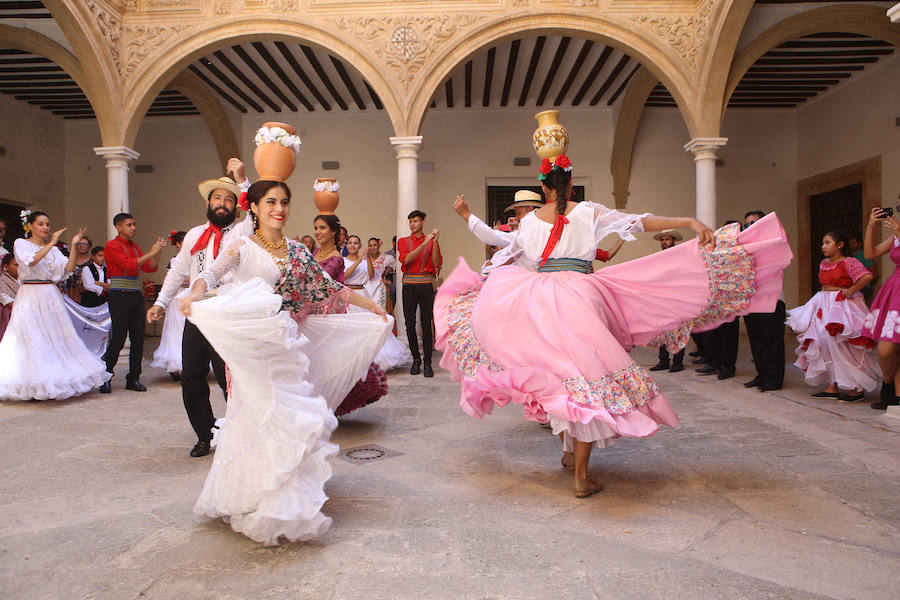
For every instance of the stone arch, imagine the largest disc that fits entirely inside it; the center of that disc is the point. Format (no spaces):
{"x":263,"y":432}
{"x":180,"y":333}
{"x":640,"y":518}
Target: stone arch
{"x":30,"y":41}
{"x":632,"y":109}
{"x":212,"y":112}
{"x":167,"y":64}
{"x":650,"y":53}
{"x":851,"y":18}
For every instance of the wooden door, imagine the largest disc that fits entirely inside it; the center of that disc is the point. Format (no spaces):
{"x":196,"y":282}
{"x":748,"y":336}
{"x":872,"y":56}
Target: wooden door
{"x":839,"y":209}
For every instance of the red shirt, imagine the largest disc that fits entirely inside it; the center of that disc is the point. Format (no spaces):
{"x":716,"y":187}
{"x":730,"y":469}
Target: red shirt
{"x":423,"y":263}
{"x":841,"y":274}
{"x":121,"y":258}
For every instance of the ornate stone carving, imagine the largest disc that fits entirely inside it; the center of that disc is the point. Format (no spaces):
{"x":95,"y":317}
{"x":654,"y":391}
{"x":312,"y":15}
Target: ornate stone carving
{"x":406,"y":43}
{"x":686,"y":34}
{"x":110,"y":26}
{"x":223,"y":7}
{"x":140,"y":40}
{"x":170,"y":3}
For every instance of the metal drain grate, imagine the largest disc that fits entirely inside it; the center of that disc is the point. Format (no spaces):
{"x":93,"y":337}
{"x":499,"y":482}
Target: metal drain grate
{"x":367,"y":453}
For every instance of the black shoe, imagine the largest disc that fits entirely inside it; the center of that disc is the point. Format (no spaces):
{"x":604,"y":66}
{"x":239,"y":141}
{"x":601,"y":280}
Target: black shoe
{"x":852,"y":398}
{"x":725,"y":374}
{"x":883,"y":404}
{"x":201,"y":448}
{"x":135,"y":386}
{"x":752,"y":383}
{"x":176,"y":376}
{"x":826,"y":395}
{"x":676,"y":367}
{"x":695,"y":354}
{"x":700,"y":361}
{"x":660,"y":366}
{"x":428,"y":371}
{"x":769,"y":387}
{"x":414,"y":369}
{"x":707,"y":370}
{"x":888,"y":397}
{"x":105,"y":388}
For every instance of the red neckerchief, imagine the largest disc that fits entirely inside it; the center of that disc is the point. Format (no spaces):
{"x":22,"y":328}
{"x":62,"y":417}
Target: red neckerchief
{"x":211,"y":230}
{"x":555,"y":234}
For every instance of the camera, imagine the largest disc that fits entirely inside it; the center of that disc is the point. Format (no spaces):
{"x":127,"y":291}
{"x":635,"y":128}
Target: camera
{"x":887,"y":211}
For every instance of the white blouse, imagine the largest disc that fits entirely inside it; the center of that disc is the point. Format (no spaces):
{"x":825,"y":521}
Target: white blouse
{"x":360,"y":275}
{"x":50,"y":268}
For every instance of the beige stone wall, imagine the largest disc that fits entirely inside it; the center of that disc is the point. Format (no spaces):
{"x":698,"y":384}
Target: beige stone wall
{"x":31,"y":169}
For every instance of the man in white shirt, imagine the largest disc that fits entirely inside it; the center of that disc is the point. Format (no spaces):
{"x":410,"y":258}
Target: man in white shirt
{"x":201,"y":246}
{"x":93,"y":279}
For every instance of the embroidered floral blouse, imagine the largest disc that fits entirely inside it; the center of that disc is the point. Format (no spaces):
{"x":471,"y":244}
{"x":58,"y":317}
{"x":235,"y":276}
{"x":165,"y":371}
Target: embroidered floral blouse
{"x":842,"y":273}
{"x":298,"y":279}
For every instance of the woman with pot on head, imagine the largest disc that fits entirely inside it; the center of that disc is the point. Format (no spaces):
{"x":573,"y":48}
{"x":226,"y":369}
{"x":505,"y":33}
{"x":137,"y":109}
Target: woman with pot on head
{"x":556,"y":341}
{"x":41,"y":356}
{"x":270,"y":327}
{"x":9,"y":286}
{"x":374,"y":384}
{"x":168,"y":355}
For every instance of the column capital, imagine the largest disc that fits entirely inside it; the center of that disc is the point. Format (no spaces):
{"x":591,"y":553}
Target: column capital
{"x":621,"y":199}
{"x":705,"y":147}
{"x":893,"y":13}
{"x":119,"y":152}
{"x":407,"y":146}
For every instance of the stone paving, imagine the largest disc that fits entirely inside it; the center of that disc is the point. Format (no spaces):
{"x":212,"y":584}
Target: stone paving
{"x":774,"y":496}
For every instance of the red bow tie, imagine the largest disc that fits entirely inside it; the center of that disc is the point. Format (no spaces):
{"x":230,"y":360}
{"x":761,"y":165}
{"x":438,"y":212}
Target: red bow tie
{"x":214,"y":231}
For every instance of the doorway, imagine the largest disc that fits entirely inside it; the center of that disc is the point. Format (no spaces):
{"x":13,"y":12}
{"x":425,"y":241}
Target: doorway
{"x":840,"y":210}
{"x":501,"y":196}
{"x":14,"y":230}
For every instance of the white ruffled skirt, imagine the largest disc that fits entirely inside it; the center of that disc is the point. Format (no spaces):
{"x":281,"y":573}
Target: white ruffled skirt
{"x":393,"y":353}
{"x":168,"y":355}
{"x":271,"y":462}
{"x":41,"y":355}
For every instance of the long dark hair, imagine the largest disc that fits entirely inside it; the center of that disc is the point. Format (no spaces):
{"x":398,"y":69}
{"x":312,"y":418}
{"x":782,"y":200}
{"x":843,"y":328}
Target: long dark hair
{"x":32,"y":218}
{"x":559,"y":180}
{"x":840,"y":240}
{"x":258,"y":191}
{"x":334,"y":224}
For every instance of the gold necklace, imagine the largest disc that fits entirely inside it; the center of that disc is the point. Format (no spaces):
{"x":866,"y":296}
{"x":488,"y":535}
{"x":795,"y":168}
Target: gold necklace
{"x":269,"y":247}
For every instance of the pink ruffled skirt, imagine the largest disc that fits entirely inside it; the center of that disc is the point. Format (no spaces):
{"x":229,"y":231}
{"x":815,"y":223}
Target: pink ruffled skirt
{"x":557,"y":343}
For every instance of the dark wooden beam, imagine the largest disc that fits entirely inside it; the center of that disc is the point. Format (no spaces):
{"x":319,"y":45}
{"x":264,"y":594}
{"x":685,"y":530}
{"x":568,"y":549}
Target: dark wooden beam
{"x":32,"y":90}
{"x":378,"y":103}
{"x":77,"y":117}
{"x":532,"y":67}
{"x":751,"y":85}
{"x":4,"y":15}
{"x":592,"y":76}
{"x":12,"y":51}
{"x":858,"y":60}
{"x":510,"y":71}
{"x":622,"y":86}
{"x":609,"y":80}
{"x":448,"y":92}
{"x":829,"y":76}
{"x":834,"y":34}
{"x":326,"y":81}
{"x":832,"y":53}
{"x":257,"y":70}
{"x":759,"y":94}
{"x":576,"y":68}
{"x":835,"y":44}
{"x":348,"y":83}
{"x":292,"y":61}
{"x":246,"y":80}
{"x":488,"y":77}
{"x":225,"y":95}
{"x":38,"y":60}
{"x":554,"y":69}
{"x":468,"y":84}
{"x":49,"y":69}
{"x":21,"y":5}
{"x":45,"y":97}
{"x":792,"y":69}
{"x":279,"y":72}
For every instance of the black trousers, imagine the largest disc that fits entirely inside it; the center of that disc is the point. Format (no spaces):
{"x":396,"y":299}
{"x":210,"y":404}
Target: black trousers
{"x":664,"y":355}
{"x":722,"y":344}
{"x":126,"y":310}
{"x":196,"y":354}
{"x":766,"y":333}
{"x":419,"y":296}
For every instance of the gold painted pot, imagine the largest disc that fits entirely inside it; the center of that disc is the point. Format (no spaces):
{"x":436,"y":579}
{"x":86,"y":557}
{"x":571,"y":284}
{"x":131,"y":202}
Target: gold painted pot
{"x":274,"y":161}
{"x":326,"y":202}
{"x":550,"y":138}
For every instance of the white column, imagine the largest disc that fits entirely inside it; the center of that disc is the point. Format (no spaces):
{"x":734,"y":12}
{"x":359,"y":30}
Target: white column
{"x":407,"y":149}
{"x":117,"y":158}
{"x":704,"y":149}
{"x":893,"y":13}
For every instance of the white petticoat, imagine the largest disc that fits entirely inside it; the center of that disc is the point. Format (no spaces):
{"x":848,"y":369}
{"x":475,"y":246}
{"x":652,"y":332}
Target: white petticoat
{"x":168,"y":355}
{"x":268,"y":474}
{"x":393,"y":353}
{"x":41,"y":356}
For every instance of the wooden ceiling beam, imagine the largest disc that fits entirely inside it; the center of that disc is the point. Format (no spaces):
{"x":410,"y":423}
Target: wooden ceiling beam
{"x":510,"y":71}
{"x":448,"y":92}
{"x":573,"y":73}
{"x":609,"y":80}
{"x":279,"y":72}
{"x":554,"y":69}
{"x":348,"y":83}
{"x":592,"y":76}
{"x":372,"y":94}
{"x":488,"y":77}
{"x":225,"y":95}
{"x":532,"y":67}
{"x":467,"y":92}
{"x":246,"y":80}
{"x":326,"y":81}
{"x":292,"y":61}
{"x":622,"y":86}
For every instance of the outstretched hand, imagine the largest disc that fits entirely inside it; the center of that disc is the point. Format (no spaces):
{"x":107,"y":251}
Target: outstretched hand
{"x":461,"y":208}
{"x":704,"y":234}
{"x":54,"y":239}
{"x":379,"y":310}
{"x":78,"y":236}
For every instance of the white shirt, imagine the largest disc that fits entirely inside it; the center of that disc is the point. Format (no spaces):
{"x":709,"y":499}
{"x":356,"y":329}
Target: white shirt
{"x":189,"y":266}
{"x":88,"y":281}
{"x":489,"y":235}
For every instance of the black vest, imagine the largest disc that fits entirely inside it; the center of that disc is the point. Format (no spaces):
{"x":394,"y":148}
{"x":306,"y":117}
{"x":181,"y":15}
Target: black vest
{"x":89,"y":298}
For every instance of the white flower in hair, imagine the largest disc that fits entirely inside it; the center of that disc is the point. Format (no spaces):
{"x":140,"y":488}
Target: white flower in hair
{"x":24,"y":214}
{"x":326,"y":186}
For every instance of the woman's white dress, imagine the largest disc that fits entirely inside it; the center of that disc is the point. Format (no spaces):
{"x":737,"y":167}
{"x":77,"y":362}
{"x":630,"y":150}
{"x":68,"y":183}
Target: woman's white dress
{"x":268,"y":474}
{"x":168,"y":355}
{"x":394,"y":353}
{"x":41,"y":355}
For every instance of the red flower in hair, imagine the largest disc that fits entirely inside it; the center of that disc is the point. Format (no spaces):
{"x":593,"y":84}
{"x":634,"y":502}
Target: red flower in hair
{"x":563,"y":162}
{"x":242,"y":201}
{"x":546,"y":167}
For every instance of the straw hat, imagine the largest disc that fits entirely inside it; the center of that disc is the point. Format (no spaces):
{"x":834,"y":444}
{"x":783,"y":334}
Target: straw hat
{"x":525,"y":198}
{"x":668,"y":233}
{"x":225,"y":183}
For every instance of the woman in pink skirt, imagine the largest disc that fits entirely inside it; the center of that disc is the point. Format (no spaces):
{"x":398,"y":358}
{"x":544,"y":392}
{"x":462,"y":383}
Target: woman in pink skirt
{"x":883,"y":321}
{"x":557,"y":341}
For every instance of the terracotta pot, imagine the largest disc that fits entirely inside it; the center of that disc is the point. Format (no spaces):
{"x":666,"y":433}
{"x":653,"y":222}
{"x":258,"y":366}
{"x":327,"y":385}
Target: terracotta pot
{"x":326,"y":202}
{"x":550,"y":138}
{"x":273,"y":161}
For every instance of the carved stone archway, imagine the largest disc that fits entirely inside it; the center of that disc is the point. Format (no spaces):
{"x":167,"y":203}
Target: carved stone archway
{"x":630,"y":113}
{"x":850,"y":18}
{"x":212,"y":112}
{"x":662,"y":60}
{"x":146,"y":81}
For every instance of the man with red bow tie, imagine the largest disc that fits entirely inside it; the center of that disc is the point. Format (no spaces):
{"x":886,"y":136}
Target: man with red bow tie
{"x":201,"y":246}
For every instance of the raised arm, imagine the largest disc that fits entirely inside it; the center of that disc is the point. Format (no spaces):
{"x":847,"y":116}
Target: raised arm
{"x":871,"y":250}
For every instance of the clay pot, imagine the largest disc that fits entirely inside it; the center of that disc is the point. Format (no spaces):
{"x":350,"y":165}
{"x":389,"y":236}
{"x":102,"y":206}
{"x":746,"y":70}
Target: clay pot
{"x":273,"y":161}
{"x":550,"y":138}
{"x":326,"y":202}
